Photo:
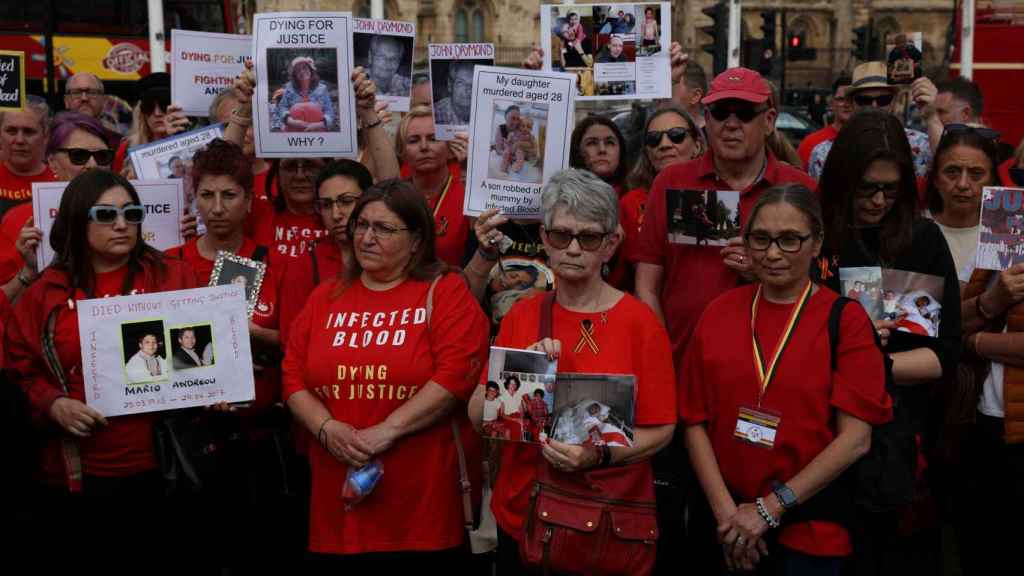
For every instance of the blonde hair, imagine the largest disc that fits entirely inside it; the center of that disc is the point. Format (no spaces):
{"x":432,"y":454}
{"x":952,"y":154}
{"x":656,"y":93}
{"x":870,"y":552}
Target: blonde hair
{"x":418,"y":111}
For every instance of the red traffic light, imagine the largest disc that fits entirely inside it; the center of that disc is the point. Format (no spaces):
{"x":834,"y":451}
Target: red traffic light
{"x":795,"y":41}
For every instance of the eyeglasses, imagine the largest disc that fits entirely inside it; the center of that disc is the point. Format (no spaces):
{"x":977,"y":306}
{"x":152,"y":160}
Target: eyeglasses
{"x":343,"y":201}
{"x":80,"y":156}
{"x":107,"y":214}
{"x":877,"y":101}
{"x":957,"y":129}
{"x":561,"y":239}
{"x":866,"y":190}
{"x":788,"y":243}
{"x":151,"y":99}
{"x":380,"y":230}
{"x":676,"y":135}
{"x":744,"y":113}
{"x":86,"y":92}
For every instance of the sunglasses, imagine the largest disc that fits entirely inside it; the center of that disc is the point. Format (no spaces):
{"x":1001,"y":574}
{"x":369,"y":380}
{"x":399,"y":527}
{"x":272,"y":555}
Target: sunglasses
{"x":676,"y":135}
{"x":152,"y":98}
{"x":744,"y":113}
{"x":107,"y":214}
{"x":588,"y":241}
{"x":878,"y":101}
{"x":80,"y":156}
{"x":957,"y":129}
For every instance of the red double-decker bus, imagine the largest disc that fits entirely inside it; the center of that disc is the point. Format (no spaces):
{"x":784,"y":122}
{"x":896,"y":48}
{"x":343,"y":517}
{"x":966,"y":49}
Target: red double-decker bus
{"x":109,"y":38}
{"x":998,"y":63}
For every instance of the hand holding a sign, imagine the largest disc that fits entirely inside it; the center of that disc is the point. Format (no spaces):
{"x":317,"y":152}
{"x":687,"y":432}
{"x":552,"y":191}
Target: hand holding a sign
{"x":27,"y":242}
{"x":245,"y":85}
{"x":366,"y":96}
{"x":679,"y":60}
{"x":459,"y":147}
{"x":735,"y":256}
{"x":175,"y":120}
{"x":75,"y":417}
{"x":487,"y":234}
{"x":535,"y":61}
{"x":923,"y":92}
{"x":1007,"y":290}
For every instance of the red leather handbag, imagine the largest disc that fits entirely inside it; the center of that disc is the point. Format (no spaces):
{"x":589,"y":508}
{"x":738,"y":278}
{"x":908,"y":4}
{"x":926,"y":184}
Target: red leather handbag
{"x":598,"y":522}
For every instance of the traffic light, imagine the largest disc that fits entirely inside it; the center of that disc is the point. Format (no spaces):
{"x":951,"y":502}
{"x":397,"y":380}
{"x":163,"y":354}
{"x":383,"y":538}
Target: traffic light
{"x":718,"y":31}
{"x":862,"y":42}
{"x":768,"y":28}
{"x":796,"y":47}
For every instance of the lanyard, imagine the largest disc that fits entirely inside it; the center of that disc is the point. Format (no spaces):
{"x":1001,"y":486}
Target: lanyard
{"x":440,"y":197}
{"x":765,"y":373}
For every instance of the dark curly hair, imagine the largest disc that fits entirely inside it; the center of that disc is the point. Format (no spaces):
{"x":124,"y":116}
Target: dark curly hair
{"x":222,"y":158}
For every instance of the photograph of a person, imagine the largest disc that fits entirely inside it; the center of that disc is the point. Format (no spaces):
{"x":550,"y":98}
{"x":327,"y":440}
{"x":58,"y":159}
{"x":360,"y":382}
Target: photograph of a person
{"x":303,"y":89}
{"x":387,"y":60}
{"x":650,"y":30}
{"x":1001,"y":242}
{"x":702,"y":217}
{"x":452,"y":83}
{"x":519,"y":395}
{"x":515,"y":279}
{"x":177,"y":166}
{"x":145,"y":356}
{"x":614,"y":19}
{"x":594,"y":409}
{"x":616,"y":48}
{"x":572,"y":44}
{"x":864,"y":284}
{"x":517,"y":149}
{"x":903,"y":63}
{"x":192,"y":346}
{"x":231,"y":269}
{"x":913,"y":300}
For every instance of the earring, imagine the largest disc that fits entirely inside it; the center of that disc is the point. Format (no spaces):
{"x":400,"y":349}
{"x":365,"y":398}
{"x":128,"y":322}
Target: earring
{"x":605,"y":270}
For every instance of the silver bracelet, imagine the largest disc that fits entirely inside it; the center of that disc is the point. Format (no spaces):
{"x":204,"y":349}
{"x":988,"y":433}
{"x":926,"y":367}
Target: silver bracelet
{"x":771,"y":520}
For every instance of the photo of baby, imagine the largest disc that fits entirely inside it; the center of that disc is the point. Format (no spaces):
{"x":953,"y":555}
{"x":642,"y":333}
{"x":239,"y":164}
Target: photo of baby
{"x":913,"y":301}
{"x":517,"y":151}
{"x":594,"y":409}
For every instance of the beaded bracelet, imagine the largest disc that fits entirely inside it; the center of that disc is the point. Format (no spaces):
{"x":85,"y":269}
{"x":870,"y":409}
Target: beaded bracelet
{"x":771,"y":520}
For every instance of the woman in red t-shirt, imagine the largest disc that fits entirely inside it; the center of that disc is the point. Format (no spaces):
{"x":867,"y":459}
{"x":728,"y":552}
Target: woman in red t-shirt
{"x":769,"y":423}
{"x":376,"y":363}
{"x":595,"y":328}
{"x":107,"y":464}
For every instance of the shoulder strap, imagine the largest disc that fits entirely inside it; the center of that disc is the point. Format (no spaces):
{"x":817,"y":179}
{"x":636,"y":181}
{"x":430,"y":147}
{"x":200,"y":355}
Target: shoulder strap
{"x":835,"y":320}
{"x":70,"y":452}
{"x":316,"y":266}
{"x":465,"y":487}
{"x":547,"y":310}
{"x":259,"y":254}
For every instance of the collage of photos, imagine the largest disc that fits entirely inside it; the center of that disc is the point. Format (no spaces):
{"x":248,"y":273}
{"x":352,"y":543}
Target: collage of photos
{"x":911,"y":299}
{"x":148,"y":358}
{"x":595,"y":409}
{"x":903,"y":57}
{"x":303,"y":89}
{"x":517,"y":152}
{"x":519,"y":395}
{"x":1001,"y":242}
{"x":602,"y":43}
{"x":702,"y":217}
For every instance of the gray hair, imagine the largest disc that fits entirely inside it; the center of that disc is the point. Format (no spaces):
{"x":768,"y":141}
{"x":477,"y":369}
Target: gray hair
{"x":39,"y":107}
{"x":584,"y":195}
{"x":225,"y":94}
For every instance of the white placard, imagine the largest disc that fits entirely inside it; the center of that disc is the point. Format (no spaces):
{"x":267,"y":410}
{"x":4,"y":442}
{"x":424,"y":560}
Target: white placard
{"x":138,"y":355}
{"x":171,"y":157}
{"x":164,"y":201}
{"x":304,"y":102}
{"x":385,"y":48}
{"x":617,"y":51}
{"x":451,"y":80}
{"x":521,"y":125}
{"x":203,"y":64}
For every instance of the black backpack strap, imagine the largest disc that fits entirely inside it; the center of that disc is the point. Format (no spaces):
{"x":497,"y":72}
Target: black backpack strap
{"x":260,"y":253}
{"x":316,"y":266}
{"x":835,"y":322}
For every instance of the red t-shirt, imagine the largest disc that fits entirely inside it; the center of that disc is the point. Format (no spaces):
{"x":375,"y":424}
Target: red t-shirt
{"x":631,"y":216}
{"x":695,"y":275}
{"x":630,"y":340}
{"x":333,"y":352}
{"x":286,"y":234}
{"x":450,"y":224}
{"x":718,"y":377}
{"x":296,"y":281}
{"x":259,"y":186}
{"x":15,"y":189}
{"x":813,"y":139}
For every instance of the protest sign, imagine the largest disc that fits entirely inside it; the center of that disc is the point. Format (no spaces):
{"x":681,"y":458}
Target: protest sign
{"x":903,"y":57}
{"x":163,"y":200}
{"x":521,"y":123}
{"x":617,"y":51}
{"x":451,"y":79}
{"x":165,"y":350}
{"x":385,"y":50}
{"x":1001,"y":234}
{"x":171,"y":157}
{"x":12,"y":80}
{"x":305,"y":106}
{"x":203,"y":64}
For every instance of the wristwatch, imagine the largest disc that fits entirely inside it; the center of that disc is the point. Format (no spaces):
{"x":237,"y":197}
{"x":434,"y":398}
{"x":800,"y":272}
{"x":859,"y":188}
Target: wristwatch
{"x":785,"y":495}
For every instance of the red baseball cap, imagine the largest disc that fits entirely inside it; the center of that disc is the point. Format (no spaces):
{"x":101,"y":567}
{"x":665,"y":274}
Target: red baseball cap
{"x":739,"y":84}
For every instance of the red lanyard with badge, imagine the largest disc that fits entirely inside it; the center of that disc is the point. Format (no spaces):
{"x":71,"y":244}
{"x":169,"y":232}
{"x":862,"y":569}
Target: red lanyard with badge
{"x":756,"y":425}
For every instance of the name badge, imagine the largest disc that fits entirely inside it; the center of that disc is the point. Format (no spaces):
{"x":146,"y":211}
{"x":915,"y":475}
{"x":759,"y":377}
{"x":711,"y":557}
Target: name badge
{"x":757,"y":426}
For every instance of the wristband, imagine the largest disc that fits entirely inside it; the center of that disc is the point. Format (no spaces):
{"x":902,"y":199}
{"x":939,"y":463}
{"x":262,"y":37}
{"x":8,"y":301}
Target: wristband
{"x":768,"y":518}
{"x":24,"y":281}
{"x":981,"y":310}
{"x":320,"y":433}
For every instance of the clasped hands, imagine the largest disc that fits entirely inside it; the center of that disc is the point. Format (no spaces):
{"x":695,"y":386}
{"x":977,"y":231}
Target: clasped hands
{"x":741,"y":536}
{"x":357,"y":447}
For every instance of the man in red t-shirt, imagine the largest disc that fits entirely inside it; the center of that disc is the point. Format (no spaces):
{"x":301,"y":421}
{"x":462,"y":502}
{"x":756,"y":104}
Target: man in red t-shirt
{"x":678,"y":281}
{"x":841,"y":112}
{"x":23,"y":139}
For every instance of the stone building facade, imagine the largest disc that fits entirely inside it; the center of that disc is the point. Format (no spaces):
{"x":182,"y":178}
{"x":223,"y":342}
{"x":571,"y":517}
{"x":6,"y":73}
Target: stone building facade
{"x":513,"y":26}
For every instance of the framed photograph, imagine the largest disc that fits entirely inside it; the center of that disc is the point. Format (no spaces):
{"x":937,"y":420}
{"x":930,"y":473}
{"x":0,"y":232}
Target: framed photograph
{"x":519,"y":395}
{"x":903,"y":57}
{"x":230,"y":268}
